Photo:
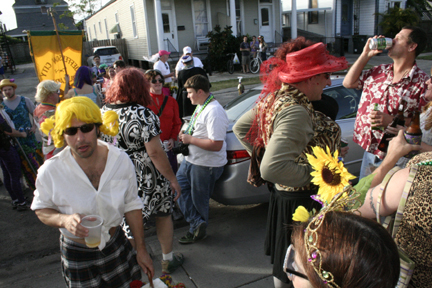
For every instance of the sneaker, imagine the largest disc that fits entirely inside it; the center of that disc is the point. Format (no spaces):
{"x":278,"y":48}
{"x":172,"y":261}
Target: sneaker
{"x":200,"y":232}
{"x":169,"y":267}
{"x":187,"y":239}
{"x":23,"y":206}
{"x":14,"y":204}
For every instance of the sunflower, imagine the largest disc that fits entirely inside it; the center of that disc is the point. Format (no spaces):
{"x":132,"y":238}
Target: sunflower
{"x":330,"y":174}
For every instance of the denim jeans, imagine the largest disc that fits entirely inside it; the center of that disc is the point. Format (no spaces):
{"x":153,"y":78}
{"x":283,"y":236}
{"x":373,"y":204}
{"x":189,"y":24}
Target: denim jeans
{"x":197,"y":184}
{"x":369,"y":164}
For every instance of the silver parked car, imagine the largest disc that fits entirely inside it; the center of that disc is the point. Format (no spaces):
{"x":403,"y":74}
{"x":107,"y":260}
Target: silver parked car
{"x":232,"y":187}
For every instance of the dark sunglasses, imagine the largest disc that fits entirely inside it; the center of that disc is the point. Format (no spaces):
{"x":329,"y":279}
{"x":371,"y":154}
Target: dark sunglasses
{"x":158,"y":80}
{"x":86,"y":128}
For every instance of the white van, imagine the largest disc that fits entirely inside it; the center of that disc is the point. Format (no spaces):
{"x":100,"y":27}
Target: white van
{"x":108,"y":54}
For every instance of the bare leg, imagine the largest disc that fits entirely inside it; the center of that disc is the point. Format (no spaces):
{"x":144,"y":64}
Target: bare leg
{"x":165,"y":233}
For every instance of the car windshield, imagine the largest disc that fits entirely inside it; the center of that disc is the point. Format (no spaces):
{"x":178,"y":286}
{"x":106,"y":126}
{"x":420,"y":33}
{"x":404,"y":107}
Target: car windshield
{"x":236,"y":108}
{"x":107,"y":51}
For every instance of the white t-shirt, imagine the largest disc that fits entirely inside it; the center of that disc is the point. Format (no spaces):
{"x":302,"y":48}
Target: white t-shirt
{"x":212,"y":124}
{"x":62,"y":185}
{"x":164,"y":69}
{"x":197,"y":63}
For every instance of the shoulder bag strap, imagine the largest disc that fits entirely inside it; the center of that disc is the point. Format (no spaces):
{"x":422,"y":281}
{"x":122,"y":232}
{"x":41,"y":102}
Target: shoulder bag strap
{"x":404,"y":197}
{"x":382,"y":187}
{"x":163,"y":106}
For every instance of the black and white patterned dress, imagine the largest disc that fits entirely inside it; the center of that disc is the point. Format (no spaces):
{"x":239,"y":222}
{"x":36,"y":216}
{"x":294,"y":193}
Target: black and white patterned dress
{"x":137,"y":126}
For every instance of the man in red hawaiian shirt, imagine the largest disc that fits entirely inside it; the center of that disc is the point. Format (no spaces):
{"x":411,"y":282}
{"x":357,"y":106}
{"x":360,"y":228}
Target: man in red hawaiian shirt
{"x":386,"y":85}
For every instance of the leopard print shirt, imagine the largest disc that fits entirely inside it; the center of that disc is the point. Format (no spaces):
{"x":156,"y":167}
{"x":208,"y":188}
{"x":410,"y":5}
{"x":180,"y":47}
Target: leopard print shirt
{"x":415,"y":231}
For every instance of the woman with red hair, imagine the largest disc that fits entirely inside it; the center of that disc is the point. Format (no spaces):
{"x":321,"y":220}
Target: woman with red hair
{"x":285,"y":125}
{"x":139,"y":137}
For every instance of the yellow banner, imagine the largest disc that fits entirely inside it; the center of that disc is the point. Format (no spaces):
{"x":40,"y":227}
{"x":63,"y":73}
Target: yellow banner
{"x":45,"y":50}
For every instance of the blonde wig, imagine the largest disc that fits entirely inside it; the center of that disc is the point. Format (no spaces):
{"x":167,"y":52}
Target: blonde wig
{"x":45,"y":88}
{"x":83,"y":109}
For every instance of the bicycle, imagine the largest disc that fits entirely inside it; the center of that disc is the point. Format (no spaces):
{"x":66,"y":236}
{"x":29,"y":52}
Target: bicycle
{"x":256,"y":63}
{"x":230,"y":63}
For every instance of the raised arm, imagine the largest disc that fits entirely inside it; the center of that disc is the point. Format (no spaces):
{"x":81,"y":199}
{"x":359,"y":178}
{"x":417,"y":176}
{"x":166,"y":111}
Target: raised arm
{"x":353,"y":75}
{"x":391,"y":195}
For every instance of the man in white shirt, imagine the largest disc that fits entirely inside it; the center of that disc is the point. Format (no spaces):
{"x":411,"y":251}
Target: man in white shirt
{"x":206,"y":157}
{"x":196,"y":61}
{"x":90,"y":177}
{"x":163,"y":66}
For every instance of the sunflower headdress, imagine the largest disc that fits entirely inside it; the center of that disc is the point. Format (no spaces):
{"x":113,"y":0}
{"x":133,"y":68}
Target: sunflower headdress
{"x":335,"y":194}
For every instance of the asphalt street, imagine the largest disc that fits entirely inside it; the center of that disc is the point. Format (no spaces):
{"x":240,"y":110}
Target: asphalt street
{"x":232,"y":255}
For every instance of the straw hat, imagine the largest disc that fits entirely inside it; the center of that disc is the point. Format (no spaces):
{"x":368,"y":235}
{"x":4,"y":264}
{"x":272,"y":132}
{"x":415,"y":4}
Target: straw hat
{"x":7,"y":82}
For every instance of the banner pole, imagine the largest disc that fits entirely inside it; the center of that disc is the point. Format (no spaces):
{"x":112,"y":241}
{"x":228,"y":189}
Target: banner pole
{"x":58,"y":38}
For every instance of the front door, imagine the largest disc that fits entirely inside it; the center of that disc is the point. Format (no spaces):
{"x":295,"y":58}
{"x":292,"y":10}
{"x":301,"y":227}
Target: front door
{"x":266,"y":22}
{"x":346,"y":18}
{"x":168,"y":22}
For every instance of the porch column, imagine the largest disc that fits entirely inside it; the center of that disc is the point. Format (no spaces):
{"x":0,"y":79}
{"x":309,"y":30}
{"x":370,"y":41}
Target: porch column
{"x":233,"y":19}
{"x":159,"y":25}
{"x":293,"y":19}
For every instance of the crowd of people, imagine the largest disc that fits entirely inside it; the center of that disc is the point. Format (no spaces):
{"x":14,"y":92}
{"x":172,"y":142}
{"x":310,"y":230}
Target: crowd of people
{"x":110,"y":144}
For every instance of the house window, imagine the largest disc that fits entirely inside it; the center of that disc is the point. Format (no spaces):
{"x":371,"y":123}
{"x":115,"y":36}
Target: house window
{"x":238,"y":17}
{"x":397,"y":4}
{"x":44,"y":10}
{"x":134,"y":29}
{"x":89,"y":34}
{"x":165,"y":22}
{"x":106,"y":28}
{"x":94,"y":26}
{"x":285,"y":20}
{"x":265,"y":1}
{"x":265,"y":17}
{"x":313,"y":16}
{"x":166,"y":5}
{"x":201,"y":22}
{"x":116,"y":17}
{"x":100,"y":27}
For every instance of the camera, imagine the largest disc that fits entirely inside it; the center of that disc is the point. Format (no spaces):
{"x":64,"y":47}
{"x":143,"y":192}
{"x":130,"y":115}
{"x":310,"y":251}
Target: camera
{"x":183,"y":149}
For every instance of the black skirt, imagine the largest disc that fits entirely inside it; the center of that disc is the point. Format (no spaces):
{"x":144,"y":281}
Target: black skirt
{"x":282,"y":206}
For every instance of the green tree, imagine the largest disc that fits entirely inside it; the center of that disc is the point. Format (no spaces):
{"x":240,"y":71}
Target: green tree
{"x":78,"y":9}
{"x":396,"y":18}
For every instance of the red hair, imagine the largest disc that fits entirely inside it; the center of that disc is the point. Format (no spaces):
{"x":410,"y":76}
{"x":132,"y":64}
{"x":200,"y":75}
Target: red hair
{"x":130,"y":86}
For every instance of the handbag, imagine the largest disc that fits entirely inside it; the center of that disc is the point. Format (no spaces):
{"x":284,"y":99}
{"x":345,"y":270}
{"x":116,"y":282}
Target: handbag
{"x":236,"y":59}
{"x":392,"y":223}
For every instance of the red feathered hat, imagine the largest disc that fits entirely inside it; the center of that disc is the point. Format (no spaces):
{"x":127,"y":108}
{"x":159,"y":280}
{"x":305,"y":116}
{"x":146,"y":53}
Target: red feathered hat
{"x":310,"y":61}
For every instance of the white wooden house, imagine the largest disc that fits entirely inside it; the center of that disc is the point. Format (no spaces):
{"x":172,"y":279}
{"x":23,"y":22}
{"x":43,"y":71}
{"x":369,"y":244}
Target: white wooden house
{"x":151,"y":25}
{"x":333,"y":19}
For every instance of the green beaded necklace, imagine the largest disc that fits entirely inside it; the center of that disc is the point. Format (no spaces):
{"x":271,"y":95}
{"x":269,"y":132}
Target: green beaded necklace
{"x":426,"y":162}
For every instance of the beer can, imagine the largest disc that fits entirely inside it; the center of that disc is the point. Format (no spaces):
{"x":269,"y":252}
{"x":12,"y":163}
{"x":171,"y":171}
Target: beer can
{"x":413,"y":139}
{"x":380,"y":43}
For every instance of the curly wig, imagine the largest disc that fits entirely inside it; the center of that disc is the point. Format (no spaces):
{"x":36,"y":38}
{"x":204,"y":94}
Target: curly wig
{"x":83,"y":109}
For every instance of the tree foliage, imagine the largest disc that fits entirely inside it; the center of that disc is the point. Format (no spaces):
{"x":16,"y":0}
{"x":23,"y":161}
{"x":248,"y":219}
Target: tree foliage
{"x":222,"y":42}
{"x":396,"y":18}
{"x":77,"y":9}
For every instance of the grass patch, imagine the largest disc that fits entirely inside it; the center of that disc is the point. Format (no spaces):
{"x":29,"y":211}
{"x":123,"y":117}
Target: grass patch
{"x":427,"y":57}
{"x":233,"y":83}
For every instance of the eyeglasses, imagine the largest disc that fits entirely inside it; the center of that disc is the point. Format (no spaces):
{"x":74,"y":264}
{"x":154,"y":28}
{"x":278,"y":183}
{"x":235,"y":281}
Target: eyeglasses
{"x":154,"y":81}
{"x":290,"y":267}
{"x":86,"y":128}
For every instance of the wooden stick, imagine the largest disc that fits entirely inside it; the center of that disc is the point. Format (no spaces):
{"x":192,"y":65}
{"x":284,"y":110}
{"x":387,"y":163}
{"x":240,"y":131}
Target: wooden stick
{"x":58,"y":38}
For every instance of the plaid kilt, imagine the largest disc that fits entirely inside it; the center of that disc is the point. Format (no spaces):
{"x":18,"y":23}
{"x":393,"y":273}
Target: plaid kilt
{"x":114,"y":266}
